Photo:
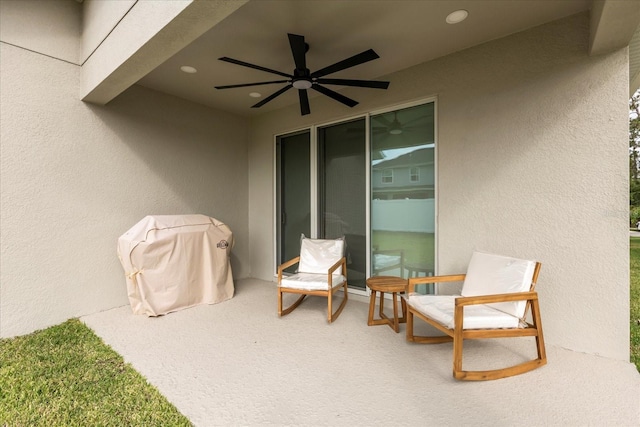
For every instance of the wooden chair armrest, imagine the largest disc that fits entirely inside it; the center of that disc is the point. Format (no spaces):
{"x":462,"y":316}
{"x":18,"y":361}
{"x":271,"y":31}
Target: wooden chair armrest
{"x":434,"y":279}
{"x":334,"y":267}
{"x":486,"y":299}
{"x":341,"y":262}
{"x":286,"y":264}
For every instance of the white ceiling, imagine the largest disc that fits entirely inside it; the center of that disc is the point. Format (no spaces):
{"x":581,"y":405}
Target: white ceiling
{"x":404,"y":33}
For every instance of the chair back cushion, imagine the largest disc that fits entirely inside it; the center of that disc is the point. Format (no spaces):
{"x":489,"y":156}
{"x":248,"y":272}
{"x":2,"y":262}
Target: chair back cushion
{"x":318,"y":255}
{"x":495,"y":274}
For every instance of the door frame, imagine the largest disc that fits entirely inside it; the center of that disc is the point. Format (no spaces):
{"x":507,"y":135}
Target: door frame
{"x":313,"y":170}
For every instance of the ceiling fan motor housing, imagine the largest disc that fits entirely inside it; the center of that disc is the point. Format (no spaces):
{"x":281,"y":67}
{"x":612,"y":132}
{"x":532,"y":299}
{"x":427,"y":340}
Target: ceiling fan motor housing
{"x":301,"y":79}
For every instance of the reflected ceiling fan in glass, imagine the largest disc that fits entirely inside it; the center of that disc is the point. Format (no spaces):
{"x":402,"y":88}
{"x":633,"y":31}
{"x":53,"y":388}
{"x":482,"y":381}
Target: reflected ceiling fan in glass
{"x":303,"y":79}
{"x":383,"y":124}
{"x":401,"y":128}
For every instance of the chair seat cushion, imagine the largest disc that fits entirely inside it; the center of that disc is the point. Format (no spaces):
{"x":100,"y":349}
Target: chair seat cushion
{"x":311,"y":282}
{"x":441,"y":309}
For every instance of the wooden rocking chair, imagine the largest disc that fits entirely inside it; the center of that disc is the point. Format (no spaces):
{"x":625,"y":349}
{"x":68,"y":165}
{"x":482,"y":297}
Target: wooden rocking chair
{"x":322,"y":271}
{"x":495,"y":298}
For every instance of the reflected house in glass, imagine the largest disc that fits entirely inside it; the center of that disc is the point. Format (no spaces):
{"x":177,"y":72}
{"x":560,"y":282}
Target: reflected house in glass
{"x":412,"y":176}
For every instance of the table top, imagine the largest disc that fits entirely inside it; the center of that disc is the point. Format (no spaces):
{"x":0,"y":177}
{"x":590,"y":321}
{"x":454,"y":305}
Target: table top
{"x":387,"y":283}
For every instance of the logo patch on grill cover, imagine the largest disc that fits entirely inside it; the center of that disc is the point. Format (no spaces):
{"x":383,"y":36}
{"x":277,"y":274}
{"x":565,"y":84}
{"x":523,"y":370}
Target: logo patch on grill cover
{"x":222,"y":244}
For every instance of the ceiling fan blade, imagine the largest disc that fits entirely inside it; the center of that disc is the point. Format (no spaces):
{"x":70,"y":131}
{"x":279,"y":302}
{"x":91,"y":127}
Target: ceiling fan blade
{"x":270,"y":97}
{"x":255,"y":67}
{"x":358,"y":83}
{"x":380,"y":118}
{"x":298,"y":49}
{"x":252,"y":84}
{"x":366,"y":56}
{"x":335,"y":95}
{"x":419,"y":119}
{"x":304,"y":102}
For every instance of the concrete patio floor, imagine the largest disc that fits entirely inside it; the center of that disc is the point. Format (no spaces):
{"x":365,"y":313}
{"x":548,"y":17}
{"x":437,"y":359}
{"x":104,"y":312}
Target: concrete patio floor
{"x":238,"y":364}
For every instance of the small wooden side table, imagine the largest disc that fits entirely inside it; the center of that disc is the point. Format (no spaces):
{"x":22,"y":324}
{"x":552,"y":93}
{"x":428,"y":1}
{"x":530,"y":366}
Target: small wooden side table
{"x":387,"y":284}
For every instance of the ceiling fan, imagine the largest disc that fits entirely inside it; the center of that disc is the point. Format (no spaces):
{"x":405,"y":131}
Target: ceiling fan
{"x":395,"y":126}
{"x":302,"y":79}
{"x":383,"y":124}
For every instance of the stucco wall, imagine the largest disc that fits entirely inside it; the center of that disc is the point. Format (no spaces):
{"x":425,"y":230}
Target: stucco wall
{"x":49,"y":27}
{"x":74,"y":177}
{"x":532,"y":162}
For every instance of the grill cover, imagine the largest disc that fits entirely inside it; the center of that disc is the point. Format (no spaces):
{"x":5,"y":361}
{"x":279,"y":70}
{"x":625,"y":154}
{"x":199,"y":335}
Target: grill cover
{"x":172,"y":262}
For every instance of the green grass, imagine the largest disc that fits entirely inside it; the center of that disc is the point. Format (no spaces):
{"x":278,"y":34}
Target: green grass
{"x":66,"y":376}
{"x":417,"y":246}
{"x":634,"y":315}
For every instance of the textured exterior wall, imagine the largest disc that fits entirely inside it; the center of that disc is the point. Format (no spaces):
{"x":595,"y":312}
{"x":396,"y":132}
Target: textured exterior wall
{"x":532,"y":162}
{"x":74,"y":177}
{"x":50,"y":27}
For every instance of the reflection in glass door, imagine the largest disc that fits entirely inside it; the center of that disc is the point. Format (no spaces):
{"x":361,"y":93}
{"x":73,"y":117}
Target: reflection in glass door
{"x":342,"y":192}
{"x":293,"y":196}
{"x":403,"y":193}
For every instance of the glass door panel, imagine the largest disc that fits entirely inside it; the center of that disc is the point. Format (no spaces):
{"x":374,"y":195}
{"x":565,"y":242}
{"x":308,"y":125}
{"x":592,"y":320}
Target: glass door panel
{"x":403,"y":193}
{"x":342,"y":192}
{"x":293,"y":195}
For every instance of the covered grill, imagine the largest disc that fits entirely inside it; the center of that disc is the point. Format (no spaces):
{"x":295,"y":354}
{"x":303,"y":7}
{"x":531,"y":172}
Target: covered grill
{"x":172,"y":262}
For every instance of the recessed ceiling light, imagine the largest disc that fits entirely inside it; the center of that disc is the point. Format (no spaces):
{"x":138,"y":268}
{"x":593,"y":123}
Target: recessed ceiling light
{"x":457,"y":16}
{"x":255,"y":94}
{"x":188,"y":69}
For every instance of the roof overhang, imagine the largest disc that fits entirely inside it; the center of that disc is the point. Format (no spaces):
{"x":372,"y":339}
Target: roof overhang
{"x":614,"y":25}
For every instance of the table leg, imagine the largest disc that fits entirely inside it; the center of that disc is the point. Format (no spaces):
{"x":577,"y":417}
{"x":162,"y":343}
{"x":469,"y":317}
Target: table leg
{"x":403,"y":304}
{"x":372,"y":304}
{"x":395,"y":312}
{"x":384,"y":320}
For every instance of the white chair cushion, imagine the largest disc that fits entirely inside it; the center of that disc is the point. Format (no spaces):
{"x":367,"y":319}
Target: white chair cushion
{"x":318,"y":255}
{"x":490,"y":274}
{"x":441,"y":309}
{"x":311,"y":282}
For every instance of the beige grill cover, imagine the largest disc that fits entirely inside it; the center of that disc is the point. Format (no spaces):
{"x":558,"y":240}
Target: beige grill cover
{"x":173,"y":262}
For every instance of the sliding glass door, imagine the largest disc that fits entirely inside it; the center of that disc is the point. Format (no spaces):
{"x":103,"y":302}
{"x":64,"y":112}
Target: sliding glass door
{"x":293,"y":198}
{"x":403,"y":192}
{"x":383,"y":203}
{"x":342,"y":192}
